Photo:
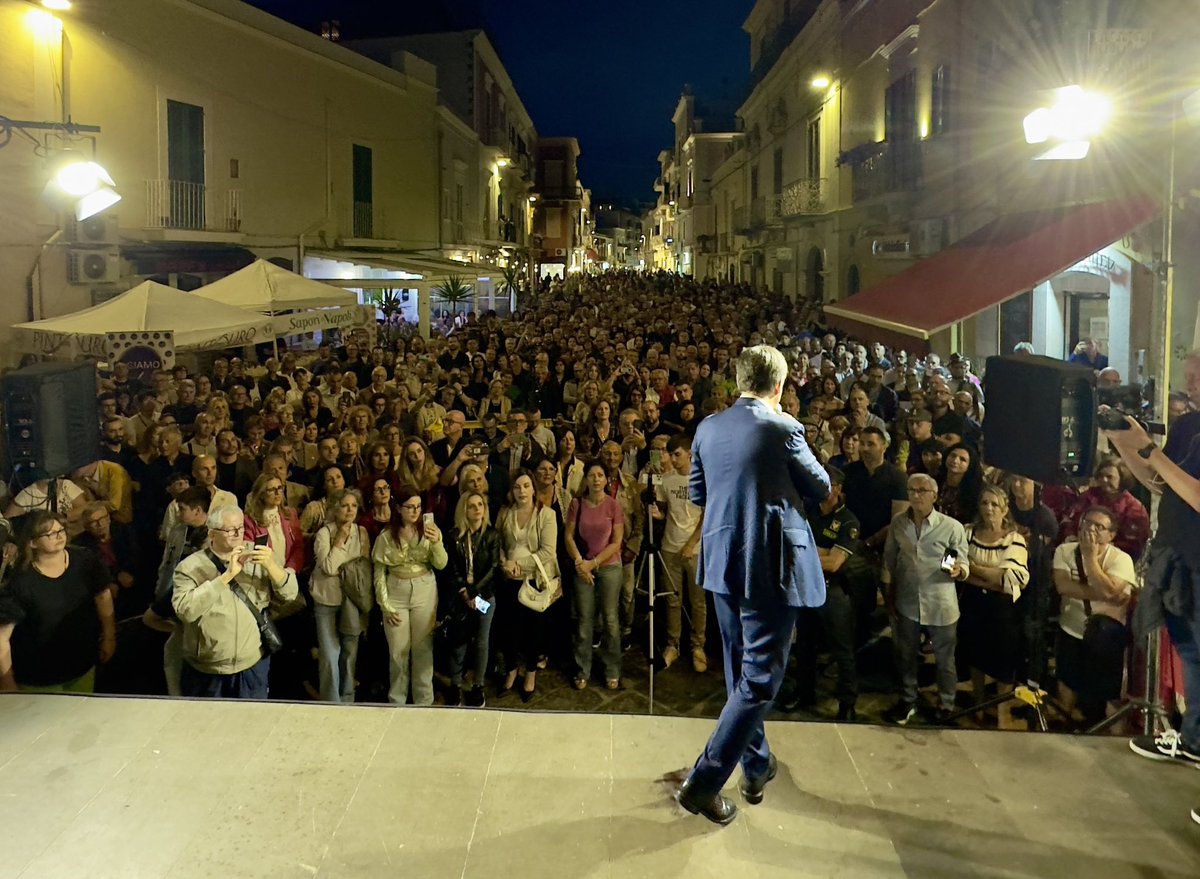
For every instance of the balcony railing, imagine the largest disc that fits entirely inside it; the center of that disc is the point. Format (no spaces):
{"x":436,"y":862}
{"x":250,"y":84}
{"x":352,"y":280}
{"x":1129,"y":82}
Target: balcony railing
{"x":364,"y":219}
{"x":804,"y":197}
{"x":176,"y":204}
{"x":893,"y":167}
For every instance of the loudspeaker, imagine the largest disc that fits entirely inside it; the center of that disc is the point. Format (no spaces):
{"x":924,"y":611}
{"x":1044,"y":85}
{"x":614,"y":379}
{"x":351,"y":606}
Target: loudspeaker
{"x":50,"y":417}
{"x":1041,"y":418}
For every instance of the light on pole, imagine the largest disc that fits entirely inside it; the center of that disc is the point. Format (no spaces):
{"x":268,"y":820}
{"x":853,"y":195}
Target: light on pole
{"x":1068,"y":124}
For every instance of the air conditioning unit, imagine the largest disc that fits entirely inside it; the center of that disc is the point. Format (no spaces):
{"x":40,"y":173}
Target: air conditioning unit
{"x":100,"y":229}
{"x":560,"y":251}
{"x":93,"y":266}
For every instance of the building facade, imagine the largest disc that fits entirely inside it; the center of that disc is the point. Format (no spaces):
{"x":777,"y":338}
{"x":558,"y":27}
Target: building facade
{"x":878,"y":133}
{"x":267,"y":140}
{"x":562,"y":221}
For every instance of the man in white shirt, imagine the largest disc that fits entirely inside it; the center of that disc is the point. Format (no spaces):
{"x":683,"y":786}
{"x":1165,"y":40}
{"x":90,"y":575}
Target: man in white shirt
{"x":680,"y":547}
{"x":1095,"y":580}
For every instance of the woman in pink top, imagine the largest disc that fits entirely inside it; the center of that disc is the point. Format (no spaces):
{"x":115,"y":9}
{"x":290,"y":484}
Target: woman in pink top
{"x":593,"y":531}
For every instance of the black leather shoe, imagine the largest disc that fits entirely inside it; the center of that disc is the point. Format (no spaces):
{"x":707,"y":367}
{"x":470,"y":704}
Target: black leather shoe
{"x":752,"y":788}
{"x":719,"y":809}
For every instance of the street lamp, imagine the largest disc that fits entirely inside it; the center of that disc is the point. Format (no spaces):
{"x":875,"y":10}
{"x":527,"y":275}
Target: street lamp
{"x":820,"y":82}
{"x":1068,"y":124}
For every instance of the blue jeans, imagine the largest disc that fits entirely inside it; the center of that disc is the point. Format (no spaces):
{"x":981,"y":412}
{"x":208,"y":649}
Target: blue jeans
{"x":1186,"y":635}
{"x":248,"y":684}
{"x":338,"y":631}
{"x":757,"y":640}
{"x":481,"y":639}
{"x":604,"y":594}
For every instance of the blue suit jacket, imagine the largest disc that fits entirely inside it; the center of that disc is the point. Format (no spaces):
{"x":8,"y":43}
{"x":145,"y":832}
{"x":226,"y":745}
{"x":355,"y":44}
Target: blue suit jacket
{"x":751,"y":471}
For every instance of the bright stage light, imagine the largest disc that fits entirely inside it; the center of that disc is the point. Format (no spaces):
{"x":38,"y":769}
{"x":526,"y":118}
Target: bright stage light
{"x":1075,"y":115}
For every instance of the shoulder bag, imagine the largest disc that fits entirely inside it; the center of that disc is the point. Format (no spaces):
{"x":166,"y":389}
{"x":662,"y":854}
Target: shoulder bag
{"x":540,"y":592}
{"x":269,"y":635}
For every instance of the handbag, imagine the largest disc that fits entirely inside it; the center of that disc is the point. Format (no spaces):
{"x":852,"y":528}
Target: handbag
{"x":542,"y":591}
{"x":271,"y":641}
{"x":357,"y":580}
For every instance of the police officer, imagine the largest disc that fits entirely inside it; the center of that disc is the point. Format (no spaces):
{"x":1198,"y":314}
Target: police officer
{"x":836,"y":530}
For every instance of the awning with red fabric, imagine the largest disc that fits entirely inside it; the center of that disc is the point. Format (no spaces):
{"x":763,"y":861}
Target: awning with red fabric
{"x":1005,"y":258}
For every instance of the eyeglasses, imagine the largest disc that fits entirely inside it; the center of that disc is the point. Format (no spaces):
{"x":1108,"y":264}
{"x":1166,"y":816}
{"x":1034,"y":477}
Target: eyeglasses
{"x":273,"y":488}
{"x":412,"y":508}
{"x":921,"y":491}
{"x":236,"y":529}
{"x":1093,"y":525}
{"x":57,"y":532}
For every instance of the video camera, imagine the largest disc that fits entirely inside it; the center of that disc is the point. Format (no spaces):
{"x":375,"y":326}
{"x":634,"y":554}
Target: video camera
{"x":1132,"y":400}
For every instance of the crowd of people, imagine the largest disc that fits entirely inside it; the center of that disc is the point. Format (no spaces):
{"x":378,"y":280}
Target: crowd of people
{"x":446,"y":519}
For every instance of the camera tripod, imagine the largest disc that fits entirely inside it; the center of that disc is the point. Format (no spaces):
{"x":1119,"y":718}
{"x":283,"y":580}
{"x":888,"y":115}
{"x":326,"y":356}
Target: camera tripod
{"x":1154,"y":715}
{"x":645,"y":582}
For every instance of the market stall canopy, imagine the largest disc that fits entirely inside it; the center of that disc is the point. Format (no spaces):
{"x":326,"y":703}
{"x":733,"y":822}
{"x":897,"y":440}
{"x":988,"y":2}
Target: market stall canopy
{"x":992,"y":265}
{"x":264,"y":286}
{"x":198,"y":324}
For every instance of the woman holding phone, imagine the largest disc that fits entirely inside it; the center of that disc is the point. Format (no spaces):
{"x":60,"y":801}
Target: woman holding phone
{"x":405,"y":557}
{"x":474,"y":569}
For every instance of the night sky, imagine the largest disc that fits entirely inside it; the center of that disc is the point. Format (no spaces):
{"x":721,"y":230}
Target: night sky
{"x":609,"y":74}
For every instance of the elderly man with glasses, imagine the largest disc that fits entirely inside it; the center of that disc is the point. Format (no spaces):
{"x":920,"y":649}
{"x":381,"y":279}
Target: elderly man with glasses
{"x":223,"y":653}
{"x":925,"y":556}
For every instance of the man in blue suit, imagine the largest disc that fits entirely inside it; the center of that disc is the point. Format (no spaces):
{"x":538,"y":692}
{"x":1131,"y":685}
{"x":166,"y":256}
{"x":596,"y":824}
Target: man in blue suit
{"x":752,"y":470}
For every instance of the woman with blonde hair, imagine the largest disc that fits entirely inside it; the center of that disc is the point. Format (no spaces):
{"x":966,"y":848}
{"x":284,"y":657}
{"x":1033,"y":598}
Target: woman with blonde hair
{"x":496,"y":402}
{"x":350,"y":456}
{"x":267,"y":513}
{"x":989,"y":628}
{"x":204,"y":437}
{"x":339,"y":621}
{"x":473,"y":572}
{"x":218,"y":408}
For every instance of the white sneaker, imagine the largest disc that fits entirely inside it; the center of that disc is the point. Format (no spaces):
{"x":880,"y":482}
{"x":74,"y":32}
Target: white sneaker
{"x":1165,"y":746}
{"x":669,"y":656}
{"x":699,"y":660}
{"x":1196,"y":814}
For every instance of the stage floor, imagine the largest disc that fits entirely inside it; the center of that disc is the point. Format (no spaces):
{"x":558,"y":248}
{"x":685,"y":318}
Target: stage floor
{"x":108,"y":787}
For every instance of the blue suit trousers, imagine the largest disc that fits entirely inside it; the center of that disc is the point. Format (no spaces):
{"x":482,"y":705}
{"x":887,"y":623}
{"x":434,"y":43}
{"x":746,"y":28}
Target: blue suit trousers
{"x":756,"y":640}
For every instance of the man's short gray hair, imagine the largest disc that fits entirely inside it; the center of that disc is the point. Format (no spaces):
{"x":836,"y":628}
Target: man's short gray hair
{"x":759,"y":369}
{"x":220,"y":517}
{"x":922,"y":480}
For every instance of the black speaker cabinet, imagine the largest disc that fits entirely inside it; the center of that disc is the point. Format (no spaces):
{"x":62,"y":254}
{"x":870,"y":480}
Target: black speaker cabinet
{"x":1041,"y":418}
{"x":50,"y":416}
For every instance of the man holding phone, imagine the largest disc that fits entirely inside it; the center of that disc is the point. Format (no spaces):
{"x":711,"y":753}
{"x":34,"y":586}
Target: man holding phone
{"x":223,"y":651}
{"x":924,"y":557}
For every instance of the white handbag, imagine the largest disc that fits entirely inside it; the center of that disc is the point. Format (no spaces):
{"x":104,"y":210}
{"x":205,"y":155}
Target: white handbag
{"x":540,"y":592}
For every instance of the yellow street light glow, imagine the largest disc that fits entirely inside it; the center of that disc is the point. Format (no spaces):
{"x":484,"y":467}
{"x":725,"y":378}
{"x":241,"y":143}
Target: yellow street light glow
{"x":57,"y":5}
{"x":821,"y":81}
{"x":502,"y":162}
{"x":81,"y":178}
{"x":1076,"y":115}
{"x":44,"y":25}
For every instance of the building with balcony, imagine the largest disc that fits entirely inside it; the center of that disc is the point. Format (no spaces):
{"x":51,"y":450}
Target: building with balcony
{"x":230,"y":135}
{"x":562,"y":219}
{"x":485,"y":181}
{"x":881,"y":134}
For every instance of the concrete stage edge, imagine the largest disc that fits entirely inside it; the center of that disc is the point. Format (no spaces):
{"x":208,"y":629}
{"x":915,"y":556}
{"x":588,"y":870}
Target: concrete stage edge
{"x":102,"y":787}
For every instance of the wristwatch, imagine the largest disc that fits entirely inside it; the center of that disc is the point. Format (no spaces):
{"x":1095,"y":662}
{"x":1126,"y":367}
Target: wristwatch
{"x":1146,"y":451}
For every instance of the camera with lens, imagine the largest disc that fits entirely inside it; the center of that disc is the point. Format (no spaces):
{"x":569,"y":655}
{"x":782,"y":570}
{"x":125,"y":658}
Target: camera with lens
{"x":1121,"y":401}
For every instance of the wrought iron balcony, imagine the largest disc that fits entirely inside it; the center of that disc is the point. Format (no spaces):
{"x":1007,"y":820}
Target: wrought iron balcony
{"x":177,"y":204}
{"x":804,"y":197}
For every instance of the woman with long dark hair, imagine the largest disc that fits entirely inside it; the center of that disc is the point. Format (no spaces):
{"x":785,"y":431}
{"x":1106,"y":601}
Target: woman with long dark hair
{"x":959,"y":483}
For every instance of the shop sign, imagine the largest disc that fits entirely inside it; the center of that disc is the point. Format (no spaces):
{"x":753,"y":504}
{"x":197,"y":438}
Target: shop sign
{"x":892,"y":247}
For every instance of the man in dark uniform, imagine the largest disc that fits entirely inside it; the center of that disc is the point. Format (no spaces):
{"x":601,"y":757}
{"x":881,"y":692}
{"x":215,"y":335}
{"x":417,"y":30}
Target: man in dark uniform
{"x":837,"y":533}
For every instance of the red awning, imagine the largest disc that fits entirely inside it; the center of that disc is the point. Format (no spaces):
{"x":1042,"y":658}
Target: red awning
{"x":992,"y":265}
